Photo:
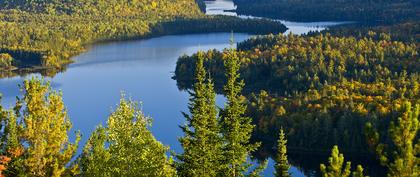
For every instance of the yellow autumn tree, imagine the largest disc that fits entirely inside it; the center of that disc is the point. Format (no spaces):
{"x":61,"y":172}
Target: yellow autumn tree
{"x":42,"y":132}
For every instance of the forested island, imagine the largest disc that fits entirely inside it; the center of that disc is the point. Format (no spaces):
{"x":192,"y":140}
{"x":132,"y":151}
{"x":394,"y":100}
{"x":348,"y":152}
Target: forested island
{"x":47,"y":33}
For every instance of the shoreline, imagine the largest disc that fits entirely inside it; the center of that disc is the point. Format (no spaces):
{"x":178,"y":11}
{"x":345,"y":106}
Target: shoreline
{"x":179,"y":27}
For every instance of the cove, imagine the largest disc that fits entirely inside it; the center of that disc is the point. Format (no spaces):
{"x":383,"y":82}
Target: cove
{"x":142,"y":69}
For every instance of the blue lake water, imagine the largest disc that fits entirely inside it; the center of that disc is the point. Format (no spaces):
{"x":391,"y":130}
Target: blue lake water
{"x":142,"y":70}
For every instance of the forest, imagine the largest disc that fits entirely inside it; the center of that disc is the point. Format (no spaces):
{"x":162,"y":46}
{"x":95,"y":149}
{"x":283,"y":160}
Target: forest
{"x":322,"y":89}
{"x":405,"y":32}
{"x":47,"y":33}
{"x":216,"y":141}
{"x":320,"y":99}
{"x":372,"y":11}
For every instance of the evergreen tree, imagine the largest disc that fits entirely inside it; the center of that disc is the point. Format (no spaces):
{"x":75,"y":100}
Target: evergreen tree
{"x":282,"y":165}
{"x":126,"y":147}
{"x":257,"y":172}
{"x":5,"y":136}
{"x":202,"y":142}
{"x":236,"y":127}
{"x":12,"y":132}
{"x":404,"y":160}
{"x":336,"y":168}
{"x":358,"y":172}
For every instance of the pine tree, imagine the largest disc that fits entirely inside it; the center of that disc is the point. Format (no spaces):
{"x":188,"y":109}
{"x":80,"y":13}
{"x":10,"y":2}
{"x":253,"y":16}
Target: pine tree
{"x":404,"y":160}
{"x":126,"y":147}
{"x":202,"y":142}
{"x":282,"y":165}
{"x":336,"y":168}
{"x":236,"y":127}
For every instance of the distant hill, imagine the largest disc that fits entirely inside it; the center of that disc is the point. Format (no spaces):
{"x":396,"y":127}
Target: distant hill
{"x":378,"y":11}
{"x":103,"y":7}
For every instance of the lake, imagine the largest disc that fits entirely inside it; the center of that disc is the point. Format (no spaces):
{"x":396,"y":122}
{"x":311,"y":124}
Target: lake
{"x":141,"y":69}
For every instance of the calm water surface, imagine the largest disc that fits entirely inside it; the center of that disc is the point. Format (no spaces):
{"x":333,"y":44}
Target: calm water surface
{"x":142,"y":70}
{"x":224,"y":7}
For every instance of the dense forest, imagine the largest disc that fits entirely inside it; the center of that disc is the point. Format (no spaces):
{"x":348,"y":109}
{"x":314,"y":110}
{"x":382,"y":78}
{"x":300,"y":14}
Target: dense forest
{"x":56,"y":30}
{"x":47,"y":33}
{"x":372,"y":11}
{"x":349,"y":91}
{"x":216,"y":142}
{"x":405,"y":32}
{"x":321,"y":89}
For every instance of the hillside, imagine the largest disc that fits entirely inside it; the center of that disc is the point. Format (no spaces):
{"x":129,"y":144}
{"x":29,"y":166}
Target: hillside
{"x":45,"y":34}
{"x":122,"y":8}
{"x":322,"y":88}
{"x":49,"y":32}
{"x":374,"y":11}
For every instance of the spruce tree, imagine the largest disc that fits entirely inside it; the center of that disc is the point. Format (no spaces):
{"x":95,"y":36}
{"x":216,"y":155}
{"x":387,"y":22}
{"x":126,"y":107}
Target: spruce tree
{"x":236,"y":127}
{"x":202,"y":142}
{"x":402,"y":156}
{"x":125,"y":147}
{"x":282,"y":165}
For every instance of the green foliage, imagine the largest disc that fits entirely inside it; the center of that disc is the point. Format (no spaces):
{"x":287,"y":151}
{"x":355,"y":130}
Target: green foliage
{"x":335,"y":167}
{"x":219,"y":23}
{"x":36,"y":139}
{"x":401,"y":157}
{"x":202,"y":142}
{"x":324,"y":88}
{"x":125,"y":147}
{"x":358,"y":172}
{"x":377,"y":11}
{"x":57,"y":29}
{"x":95,"y":155}
{"x":282,"y":164}
{"x":47,"y":33}
{"x":258,"y":169}
{"x":236,"y":127}
{"x":285,"y":64}
{"x":407,"y":31}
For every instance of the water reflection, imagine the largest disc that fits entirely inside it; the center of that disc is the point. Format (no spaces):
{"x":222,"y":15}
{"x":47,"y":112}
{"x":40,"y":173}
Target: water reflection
{"x":143,"y":69}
